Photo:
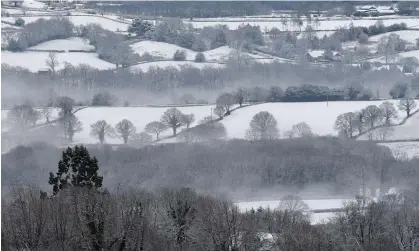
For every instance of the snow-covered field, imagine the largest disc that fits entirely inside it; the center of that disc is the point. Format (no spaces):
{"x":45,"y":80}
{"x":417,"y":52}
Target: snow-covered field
{"x":315,"y":218}
{"x":9,"y":26}
{"x":321,"y":25}
{"x":34,"y":61}
{"x":175,"y":64}
{"x":80,"y":20}
{"x":73,"y":43}
{"x":317,"y":115}
{"x":33,"y":4}
{"x":139,"y":116}
{"x":166,"y":51}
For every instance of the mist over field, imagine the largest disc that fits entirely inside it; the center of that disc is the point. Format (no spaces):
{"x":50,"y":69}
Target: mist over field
{"x":251,"y":126}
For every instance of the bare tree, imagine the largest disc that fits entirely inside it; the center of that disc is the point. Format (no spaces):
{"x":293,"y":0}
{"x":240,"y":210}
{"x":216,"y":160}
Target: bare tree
{"x":385,"y":132}
{"x":373,"y":115}
{"x":226,"y":100}
{"x":240,"y":96}
{"x":20,"y":116}
{"x":407,"y":104}
{"x":52,"y":62}
{"x":141,"y":139}
{"x":172,"y":118}
{"x":46,"y":112}
{"x":219,"y":110}
{"x":289,"y":134}
{"x":187,"y":119}
{"x":302,"y":129}
{"x":292,"y":203}
{"x":125,"y":129}
{"x":156,"y":127}
{"x":346,"y":123}
{"x":389,"y":112}
{"x":101,"y":129}
{"x":262,"y":126}
{"x":71,"y":125}
{"x":360,"y":121}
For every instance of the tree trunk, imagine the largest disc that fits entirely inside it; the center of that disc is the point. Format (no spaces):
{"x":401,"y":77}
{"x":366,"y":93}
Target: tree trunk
{"x":125,"y":140}
{"x":174,"y":130}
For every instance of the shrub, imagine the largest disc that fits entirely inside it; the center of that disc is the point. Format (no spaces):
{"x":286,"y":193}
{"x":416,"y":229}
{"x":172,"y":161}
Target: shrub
{"x":180,"y":55}
{"x":19,"y":22}
{"x":102,"y":99}
{"x":200,"y":57}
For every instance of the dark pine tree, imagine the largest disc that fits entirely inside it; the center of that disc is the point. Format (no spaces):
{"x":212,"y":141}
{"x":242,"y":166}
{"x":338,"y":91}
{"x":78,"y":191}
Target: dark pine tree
{"x":76,"y":168}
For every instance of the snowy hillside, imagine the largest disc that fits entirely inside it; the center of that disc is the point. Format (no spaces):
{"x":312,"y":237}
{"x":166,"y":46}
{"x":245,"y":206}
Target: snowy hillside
{"x":73,"y":43}
{"x":35,"y":61}
{"x":108,"y":24}
{"x":317,"y":115}
{"x":166,"y":51}
{"x":6,"y":127}
{"x":139,"y":116}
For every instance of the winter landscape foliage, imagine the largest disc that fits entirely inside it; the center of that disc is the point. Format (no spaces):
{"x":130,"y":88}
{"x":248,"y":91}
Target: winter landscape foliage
{"x":210,"y":126}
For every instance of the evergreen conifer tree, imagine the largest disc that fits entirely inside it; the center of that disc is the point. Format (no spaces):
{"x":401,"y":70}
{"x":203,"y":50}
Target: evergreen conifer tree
{"x":76,"y":168}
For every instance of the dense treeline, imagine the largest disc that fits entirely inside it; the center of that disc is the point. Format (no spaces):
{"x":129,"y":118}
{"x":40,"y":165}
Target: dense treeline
{"x":231,"y":165}
{"x":181,"y":219}
{"x":41,"y":30}
{"x":82,"y":82}
{"x":81,"y":215}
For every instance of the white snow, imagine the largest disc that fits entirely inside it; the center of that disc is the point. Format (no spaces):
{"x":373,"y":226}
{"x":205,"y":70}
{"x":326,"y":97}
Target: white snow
{"x":139,"y":116}
{"x":317,"y":115}
{"x":73,"y":43}
{"x":176,"y":64}
{"x":166,"y":51}
{"x":403,"y":150}
{"x":34,"y":61}
{"x":408,"y":35}
{"x":33,"y":4}
{"x":9,"y":26}
{"x":79,"y":20}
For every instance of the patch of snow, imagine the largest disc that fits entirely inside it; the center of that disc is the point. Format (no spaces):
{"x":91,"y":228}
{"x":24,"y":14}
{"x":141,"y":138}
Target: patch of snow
{"x":9,"y":26}
{"x":34,"y":61}
{"x":73,"y":43}
{"x":33,"y":4}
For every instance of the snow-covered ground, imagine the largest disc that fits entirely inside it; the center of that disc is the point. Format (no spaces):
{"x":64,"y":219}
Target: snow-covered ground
{"x":403,"y":150}
{"x":34,"y":61}
{"x":139,"y":116}
{"x":409,"y":130}
{"x":79,"y":20}
{"x":176,"y":64}
{"x":33,"y":4}
{"x":317,"y":115}
{"x":166,"y":51}
{"x":73,"y":43}
{"x":321,"y":25}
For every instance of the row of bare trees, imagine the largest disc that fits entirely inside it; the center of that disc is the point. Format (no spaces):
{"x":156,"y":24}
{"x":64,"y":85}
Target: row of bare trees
{"x":181,"y":219}
{"x":371,"y":117}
